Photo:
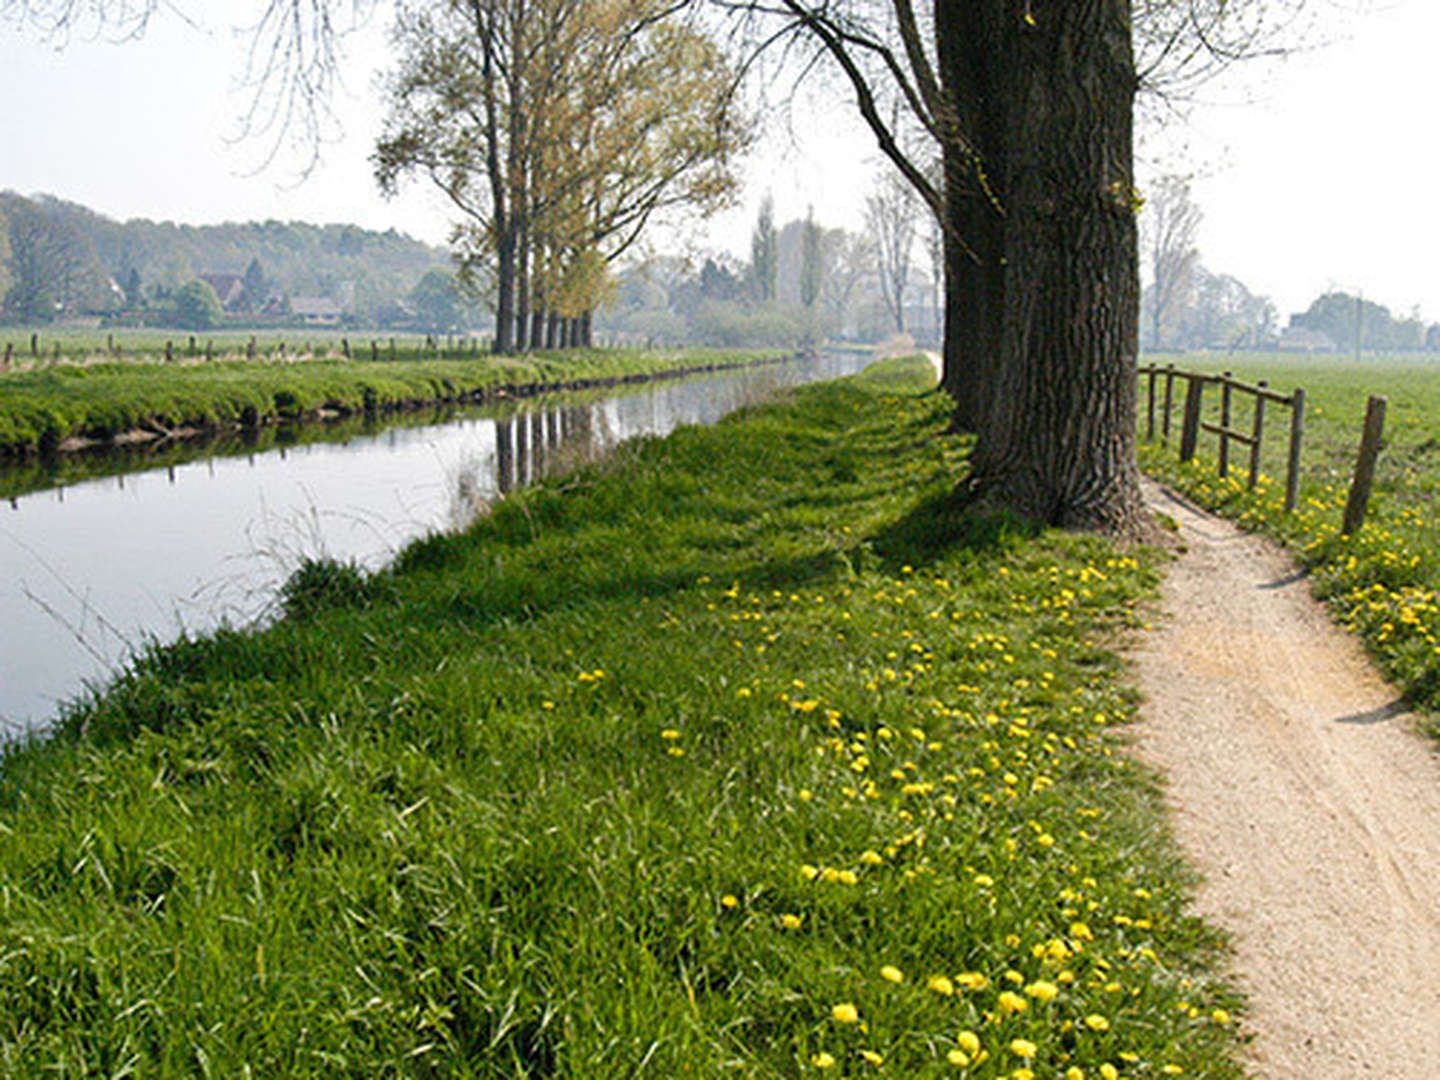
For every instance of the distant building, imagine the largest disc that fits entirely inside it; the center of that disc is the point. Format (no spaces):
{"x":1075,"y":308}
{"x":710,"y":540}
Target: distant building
{"x":1299,"y":339}
{"x":230,"y":288}
{"x":316,"y":310}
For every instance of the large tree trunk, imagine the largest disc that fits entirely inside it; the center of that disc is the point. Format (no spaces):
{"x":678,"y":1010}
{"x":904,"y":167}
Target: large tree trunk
{"x":970,"y":40}
{"x":1057,"y":441}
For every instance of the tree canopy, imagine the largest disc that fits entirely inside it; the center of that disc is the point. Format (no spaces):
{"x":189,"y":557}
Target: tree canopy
{"x":558,"y":129}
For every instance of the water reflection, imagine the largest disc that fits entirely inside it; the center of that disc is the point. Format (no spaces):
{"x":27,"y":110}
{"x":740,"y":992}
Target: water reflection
{"x":91,"y":570}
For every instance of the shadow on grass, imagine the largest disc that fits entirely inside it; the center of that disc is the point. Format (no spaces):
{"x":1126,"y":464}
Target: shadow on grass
{"x":939,"y":525}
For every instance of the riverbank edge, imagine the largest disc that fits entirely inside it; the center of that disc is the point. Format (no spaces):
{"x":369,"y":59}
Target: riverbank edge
{"x":739,"y":750}
{"x":153,"y":427}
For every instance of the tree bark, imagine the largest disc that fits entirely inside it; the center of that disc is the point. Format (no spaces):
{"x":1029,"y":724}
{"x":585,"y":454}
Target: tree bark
{"x":522,"y":288}
{"x":969,"y":40}
{"x":1056,"y":443}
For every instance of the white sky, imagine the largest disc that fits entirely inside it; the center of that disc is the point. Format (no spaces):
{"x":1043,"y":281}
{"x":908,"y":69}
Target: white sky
{"x":1329,"y":179}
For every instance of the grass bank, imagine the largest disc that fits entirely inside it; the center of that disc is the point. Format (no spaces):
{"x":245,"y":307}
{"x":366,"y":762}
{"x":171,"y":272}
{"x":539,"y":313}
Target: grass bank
{"x":65,"y":406}
{"x":737,"y":755}
{"x":1384,"y":582}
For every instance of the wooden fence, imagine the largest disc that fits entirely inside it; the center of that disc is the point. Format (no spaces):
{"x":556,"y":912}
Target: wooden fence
{"x":1161,"y":385}
{"x":1193,"y":424}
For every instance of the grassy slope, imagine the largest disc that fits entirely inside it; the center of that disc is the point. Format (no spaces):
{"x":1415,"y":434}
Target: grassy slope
{"x":102,"y":400}
{"x":659,"y":770}
{"x":1384,"y":582}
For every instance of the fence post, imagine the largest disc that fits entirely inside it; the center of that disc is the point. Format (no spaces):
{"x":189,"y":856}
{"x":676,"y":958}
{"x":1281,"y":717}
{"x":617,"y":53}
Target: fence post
{"x":1360,"y":487}
{"x":1169,"y":401}
{"x":1150,"y":405}
{"x":1224,"y":424}
{"x":1297,"y":436}
{"x":1258,"y":434}
{"x":1191,"y":431}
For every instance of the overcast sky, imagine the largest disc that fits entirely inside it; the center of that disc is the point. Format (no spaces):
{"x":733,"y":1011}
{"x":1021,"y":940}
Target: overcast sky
{"x":1328,"y":179}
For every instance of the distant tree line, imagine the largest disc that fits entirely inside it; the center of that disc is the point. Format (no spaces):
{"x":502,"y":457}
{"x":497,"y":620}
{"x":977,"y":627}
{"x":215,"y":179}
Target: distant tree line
{"x":802,"y":284}
{"x":60,"y":260}
{"x":1186,"y":306}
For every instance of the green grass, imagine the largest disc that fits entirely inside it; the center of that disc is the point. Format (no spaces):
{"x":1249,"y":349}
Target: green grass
{"x":147,"y":344}
{"x":41,"y":408}
{"x":1384,"y":582}
{"x":642,"y":775}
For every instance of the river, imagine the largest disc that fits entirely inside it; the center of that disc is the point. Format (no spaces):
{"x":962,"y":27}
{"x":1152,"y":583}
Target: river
{"x":92,"y":571}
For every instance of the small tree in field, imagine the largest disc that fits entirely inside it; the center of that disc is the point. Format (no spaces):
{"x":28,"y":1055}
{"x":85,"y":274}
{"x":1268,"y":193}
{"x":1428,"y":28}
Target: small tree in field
{"x":197,"y":307}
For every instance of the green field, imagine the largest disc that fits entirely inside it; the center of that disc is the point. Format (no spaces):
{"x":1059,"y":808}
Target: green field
{"x":738,"y":754}
{"x":74,"y":345}
{"x":42,"y":408}
{"x":1384,"y":582}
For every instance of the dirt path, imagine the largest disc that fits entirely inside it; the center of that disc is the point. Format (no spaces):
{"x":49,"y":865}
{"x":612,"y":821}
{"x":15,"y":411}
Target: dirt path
{"x":1301,"y":793}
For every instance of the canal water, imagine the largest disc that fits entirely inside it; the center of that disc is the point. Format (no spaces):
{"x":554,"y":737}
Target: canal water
{"x":92,"y":571}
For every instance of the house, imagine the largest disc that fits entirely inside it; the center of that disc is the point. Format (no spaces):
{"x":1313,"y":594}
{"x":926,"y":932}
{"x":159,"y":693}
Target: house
{"x":316,"y":310}
{"x":230,"y":288}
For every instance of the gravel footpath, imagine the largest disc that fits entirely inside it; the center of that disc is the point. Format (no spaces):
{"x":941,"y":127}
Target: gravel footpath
{"x":1301,"y":792}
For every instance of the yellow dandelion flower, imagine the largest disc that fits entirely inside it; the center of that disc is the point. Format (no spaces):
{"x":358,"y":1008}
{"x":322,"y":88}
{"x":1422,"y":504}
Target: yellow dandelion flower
{"x":669,"y":733}
{"x":1096,"y":1022}
{"x":1022,"y":1048}
{"x":872,"y":858}
{"x":872,"y":1057}
{"x":956,"y":1057}
{"x":808,"y":872}
{"x":1081,"y":932}
{"x":941,"y":984}
{"x":729,"y":900}
{"x":1042,"y":991}
{"x":1220,"y":1016}
{"x":847,"y":877}
{"x":1109,"y":1072}
{"x":845,"y":1013}
{"x":969,"y":1042}
{"x":822,"y":1060}
{"x":972,"y":980}
{"x":1011,"y":1002}
{"x":1172,"y":1069}
{"x":1074,"y":1072}
{"x":890,"y":973}
{"x":791,"y":922}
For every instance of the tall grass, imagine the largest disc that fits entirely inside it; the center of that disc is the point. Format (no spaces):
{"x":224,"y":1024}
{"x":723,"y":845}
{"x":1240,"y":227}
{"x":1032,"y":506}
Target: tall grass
{"x":739,"y":754}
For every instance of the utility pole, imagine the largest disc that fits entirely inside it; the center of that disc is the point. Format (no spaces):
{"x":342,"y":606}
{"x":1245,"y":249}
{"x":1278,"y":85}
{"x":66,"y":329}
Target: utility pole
{"x":1359,"y":320}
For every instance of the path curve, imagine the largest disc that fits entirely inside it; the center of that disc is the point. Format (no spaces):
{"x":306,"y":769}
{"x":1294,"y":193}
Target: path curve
{"x":1302,"y":794}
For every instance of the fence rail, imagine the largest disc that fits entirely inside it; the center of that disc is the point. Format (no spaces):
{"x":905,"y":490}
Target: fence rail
{"x":1193,"y":424}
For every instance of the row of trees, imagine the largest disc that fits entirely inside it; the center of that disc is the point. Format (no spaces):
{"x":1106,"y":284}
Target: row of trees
{"x":558,"y":129}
